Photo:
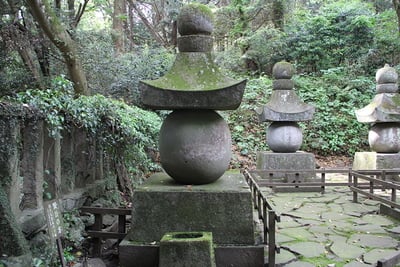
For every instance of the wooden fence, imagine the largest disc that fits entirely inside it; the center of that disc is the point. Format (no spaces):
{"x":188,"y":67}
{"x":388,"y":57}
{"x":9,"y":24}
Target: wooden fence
{"x":372,"y":180}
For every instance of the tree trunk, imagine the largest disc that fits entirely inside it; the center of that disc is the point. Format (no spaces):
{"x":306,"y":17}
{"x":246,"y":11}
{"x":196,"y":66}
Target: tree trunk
{"x":130,"y":29}
{"x":149,"y":26}
{"x":19,"y":36}
{"x":25,"y":52}
{"x":119,"y":16}
{"x":71,"y":10}
{"x":396,"y":5}
{"x":123,"y":179}
{"x":278,"y":13}
{"x":174,"y":33}
{"x":59,"y":36}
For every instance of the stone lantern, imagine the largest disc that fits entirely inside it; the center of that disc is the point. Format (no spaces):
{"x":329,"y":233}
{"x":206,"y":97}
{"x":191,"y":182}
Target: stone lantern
{"x":196,"y":207}
{"x":284,"y":136}
{"x":384,"y":115}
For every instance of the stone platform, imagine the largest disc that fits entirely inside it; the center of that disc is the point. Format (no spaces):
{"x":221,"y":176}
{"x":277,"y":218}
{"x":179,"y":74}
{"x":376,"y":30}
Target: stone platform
{"x":330,"y":230}
{"x":299,"y":167}
{"x":376,"y":161}
{"x":224,"y":208}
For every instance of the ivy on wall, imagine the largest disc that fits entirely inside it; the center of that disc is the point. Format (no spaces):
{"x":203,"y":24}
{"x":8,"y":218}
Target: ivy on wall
{"x":124,"y":131}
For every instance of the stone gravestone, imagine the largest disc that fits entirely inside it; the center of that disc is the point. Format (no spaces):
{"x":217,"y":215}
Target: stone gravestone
{"x":284,"y":136}
{"x":195,"y":193}
{"x":384,"y":115}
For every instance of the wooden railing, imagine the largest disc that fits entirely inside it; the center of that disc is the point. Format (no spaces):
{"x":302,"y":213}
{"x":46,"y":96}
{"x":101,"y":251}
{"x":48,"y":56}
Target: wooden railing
{"x":261,"y":178}
{"x":267,"y":215}
{"x":96,"y":232}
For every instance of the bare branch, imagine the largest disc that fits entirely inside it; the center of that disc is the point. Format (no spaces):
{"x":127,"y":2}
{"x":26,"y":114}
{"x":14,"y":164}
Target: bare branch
{"x":148,"y":25}
{"x":79,"y":14}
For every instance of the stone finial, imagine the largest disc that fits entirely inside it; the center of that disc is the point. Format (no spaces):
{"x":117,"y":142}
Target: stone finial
{"x":195,"y":19}
{"x":283,"y":70}
{"x":284,"y":104}
{"x":385,"y":105}
{"x":386,"y":79}
{"x":194,"y":81}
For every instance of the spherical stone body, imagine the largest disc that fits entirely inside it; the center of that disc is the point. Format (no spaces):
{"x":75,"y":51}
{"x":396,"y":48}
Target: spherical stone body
{"x":284,"y":137}
{"x":195,"y":146}
{"x":385,"y":137}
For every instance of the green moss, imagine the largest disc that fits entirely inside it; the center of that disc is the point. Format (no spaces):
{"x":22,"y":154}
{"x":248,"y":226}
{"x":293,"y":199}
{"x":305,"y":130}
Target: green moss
{"x":322,"y":261}
{"x":187,"y":236}
{"x":193,"y":72}
{"x":199,"y":9}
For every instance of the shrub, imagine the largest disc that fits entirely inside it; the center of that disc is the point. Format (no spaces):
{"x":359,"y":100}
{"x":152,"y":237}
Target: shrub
{"x":341,"y":32}
{"x":336,"y":95}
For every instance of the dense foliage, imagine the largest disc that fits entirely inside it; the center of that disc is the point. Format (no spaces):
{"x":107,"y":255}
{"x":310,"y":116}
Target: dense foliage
{"x":336,"y":47}
{"x":334,"y":129}
{"x":127,"y":132}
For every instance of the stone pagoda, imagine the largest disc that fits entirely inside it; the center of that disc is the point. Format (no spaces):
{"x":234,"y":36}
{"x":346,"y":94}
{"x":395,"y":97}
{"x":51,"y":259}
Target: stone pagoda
{"x":196,"y":206}
{"x":284,"y":136}
{"x":384,"y":115}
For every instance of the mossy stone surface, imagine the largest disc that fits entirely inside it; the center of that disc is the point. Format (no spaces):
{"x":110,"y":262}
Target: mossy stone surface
{"x":195,"y":19}
{"x":180,"y":249}
{"x":224,"y":207}
{"x":193,"y":82}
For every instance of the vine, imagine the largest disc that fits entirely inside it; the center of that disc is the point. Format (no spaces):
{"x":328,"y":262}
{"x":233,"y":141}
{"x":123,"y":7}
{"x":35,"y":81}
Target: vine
{"x":124,"y":131}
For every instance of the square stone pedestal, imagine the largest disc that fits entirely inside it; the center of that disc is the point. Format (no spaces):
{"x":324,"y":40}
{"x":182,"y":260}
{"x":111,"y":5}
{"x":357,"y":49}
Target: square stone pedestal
{"x":224,"y":208}
{"x":298,"y":167}
{"x":180,"y":249}
{"x":376,"y":161}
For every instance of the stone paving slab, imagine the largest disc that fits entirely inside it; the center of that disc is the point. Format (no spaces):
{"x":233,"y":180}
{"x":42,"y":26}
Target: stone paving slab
{"x":377,"y":254}
{"x":331,"y":228}
{"x":306,"y":249}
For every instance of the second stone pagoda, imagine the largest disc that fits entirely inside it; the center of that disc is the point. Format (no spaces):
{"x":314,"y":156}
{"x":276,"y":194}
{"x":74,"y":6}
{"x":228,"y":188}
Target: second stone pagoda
{"x":284,"y":136}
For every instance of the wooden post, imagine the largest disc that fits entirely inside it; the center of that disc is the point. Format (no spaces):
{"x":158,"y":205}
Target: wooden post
{"x":350,"y":177}
{"x":355,"y":183}
{"x":98,"y":225}
{"x":393,"y":198}
{"x":271,"y":239}
{"x":60,"y":251}
{"x":121,"y":225}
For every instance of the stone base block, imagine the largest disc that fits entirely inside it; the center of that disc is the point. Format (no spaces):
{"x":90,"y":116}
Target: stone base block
{"x":376,"y":161}
{"x":300,"y":166}
{"x":291,"y":168}
{"x":180,"y":249}
{"x":224,"y":207}
{"x":138,"y":255}
{"x":147,"y":255}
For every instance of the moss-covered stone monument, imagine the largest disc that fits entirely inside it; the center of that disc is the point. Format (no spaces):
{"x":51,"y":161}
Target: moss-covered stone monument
{"x":196,"y":193}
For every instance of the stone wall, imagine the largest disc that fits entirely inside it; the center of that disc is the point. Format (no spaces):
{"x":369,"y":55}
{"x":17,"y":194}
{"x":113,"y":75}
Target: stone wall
{"x":35,"y":168}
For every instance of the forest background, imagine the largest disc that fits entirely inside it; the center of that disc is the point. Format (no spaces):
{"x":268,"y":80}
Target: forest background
{"x":79,"y":63}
